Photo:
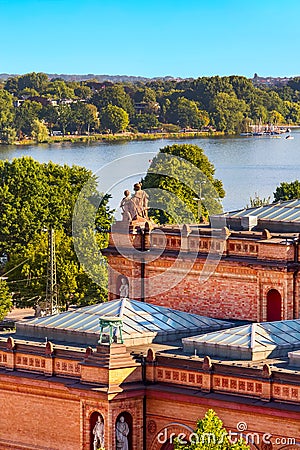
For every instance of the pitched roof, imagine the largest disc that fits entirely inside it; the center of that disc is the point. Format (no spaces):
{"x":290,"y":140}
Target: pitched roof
{"x":142,"y":323}
{"x":252,"y":341}
{"x":279,"y":217}
{"x":280,"y":211}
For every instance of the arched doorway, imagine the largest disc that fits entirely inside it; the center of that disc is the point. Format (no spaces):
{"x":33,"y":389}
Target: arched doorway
{"x":93,"y":419}
{"x":167,"y":446}
{"x":273,"y":306}
{"x":128,"y":420}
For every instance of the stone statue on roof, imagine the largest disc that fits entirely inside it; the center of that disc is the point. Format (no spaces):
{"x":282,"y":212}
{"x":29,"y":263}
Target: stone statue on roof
{"x":127,"y":206}
{"x":140,"y":201}
{"x":135,"y":207}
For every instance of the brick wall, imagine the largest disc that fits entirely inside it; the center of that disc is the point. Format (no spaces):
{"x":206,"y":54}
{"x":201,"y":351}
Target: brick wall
{"x":38,"y":420}
{"x":169,"y":412}
{"x":234,"y":290}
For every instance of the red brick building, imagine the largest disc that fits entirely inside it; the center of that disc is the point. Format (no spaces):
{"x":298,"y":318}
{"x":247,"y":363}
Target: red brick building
{"x":252,"y":262}
{"x":172,"y":358}
{"x":53,"y":392}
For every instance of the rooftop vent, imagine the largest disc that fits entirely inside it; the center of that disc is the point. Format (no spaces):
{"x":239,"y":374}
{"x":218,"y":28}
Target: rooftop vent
{"x":248,"y":222}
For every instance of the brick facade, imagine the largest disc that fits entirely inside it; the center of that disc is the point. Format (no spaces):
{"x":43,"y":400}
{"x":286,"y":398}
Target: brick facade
{"x":248,"y":266}
{"x":56,"y":411}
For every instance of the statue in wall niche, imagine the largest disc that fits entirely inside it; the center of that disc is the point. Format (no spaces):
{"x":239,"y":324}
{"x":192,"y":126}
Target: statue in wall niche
{"x":124,"y":289}
{"x":98,"y":433}
{"x":122,"y":431}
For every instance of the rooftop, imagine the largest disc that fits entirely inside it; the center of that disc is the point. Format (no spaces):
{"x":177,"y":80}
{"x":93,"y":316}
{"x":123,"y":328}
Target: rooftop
{"x":282,"y":216}
{"x":142,"y":323}
{"x":254,"y":341}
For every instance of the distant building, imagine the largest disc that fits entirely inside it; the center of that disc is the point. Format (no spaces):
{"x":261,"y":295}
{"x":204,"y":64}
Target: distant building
{"x":270,"y":81}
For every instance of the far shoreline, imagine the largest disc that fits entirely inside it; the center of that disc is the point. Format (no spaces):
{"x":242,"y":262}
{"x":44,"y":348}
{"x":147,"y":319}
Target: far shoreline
{"x":128,"y":136}
{"x":119,"y":137}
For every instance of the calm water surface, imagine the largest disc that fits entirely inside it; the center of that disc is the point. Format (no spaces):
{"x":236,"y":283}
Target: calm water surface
{"x":245,"y":165}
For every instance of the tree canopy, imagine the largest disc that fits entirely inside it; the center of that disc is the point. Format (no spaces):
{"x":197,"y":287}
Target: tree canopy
{"x":287,"y":191}
{"x":114,"y":119}
{"x":35,"y":197}
{"x":178,"y":176}
{"x":5,"y":299}
{"x":224,"y":104}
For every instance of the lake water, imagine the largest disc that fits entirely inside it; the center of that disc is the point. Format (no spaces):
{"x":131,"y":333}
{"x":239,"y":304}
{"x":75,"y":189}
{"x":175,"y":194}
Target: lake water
{"x":245,"y":165}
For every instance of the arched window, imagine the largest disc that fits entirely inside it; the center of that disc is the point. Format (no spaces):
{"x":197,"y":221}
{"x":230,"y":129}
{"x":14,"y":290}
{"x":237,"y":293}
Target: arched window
{"x":273,"y":306}
{"x":124,"y":427}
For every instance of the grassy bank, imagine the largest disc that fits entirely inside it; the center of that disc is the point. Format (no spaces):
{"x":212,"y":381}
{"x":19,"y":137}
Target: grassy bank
{"x":121,"y":137}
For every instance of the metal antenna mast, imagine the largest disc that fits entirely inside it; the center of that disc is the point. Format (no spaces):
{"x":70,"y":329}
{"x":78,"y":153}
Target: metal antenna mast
{"x":51,"y":288}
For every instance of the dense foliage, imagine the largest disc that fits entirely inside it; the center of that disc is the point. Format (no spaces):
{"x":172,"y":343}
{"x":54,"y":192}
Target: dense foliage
{"x":35,"y":197}
{"x":177,"y":177}
{"x":5,"y":299}
{"x":228,"y":104}
{"x":210,"y":435}
{"x":287,"y":191}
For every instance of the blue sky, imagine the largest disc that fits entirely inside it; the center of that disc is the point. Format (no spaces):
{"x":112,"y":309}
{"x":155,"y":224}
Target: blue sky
{"x":150,"y":38}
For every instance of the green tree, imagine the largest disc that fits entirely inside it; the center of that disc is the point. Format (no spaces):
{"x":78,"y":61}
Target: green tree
{"x":211,"y":435}
{"x":145,"y":122}
{"x":258,"y":113}
{"x":113,"y":95}
{"x":114,"y":119}
{"x":5,"y":299}
{"x":36,"y":196}
{"x":11,"y":86}
{"x":176,"y":177}
{"x":205,"y":89}
{"x":257,"y":201}
{"x":37,"y":81}
{"x":287,"y":191}
{"x":83,"y":92}
{"x":74,"y":285}
{"x":65,"y":117}
{"x":275,"y":117}
{"x":293,"y":112}
{"x":26,"y":114}
{"x":6,"y":109}
{"x":84,"y":116}
{"x":39,"y":131}
{"x":185,"y":112}
{"x":228,"y":112}
{"x":58,"y":89}
{"x":49,"y":114}
{"x":8,"y":135}
{"x":29,"y":92}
